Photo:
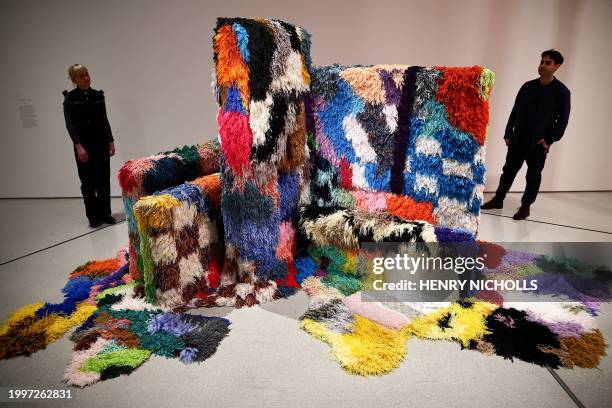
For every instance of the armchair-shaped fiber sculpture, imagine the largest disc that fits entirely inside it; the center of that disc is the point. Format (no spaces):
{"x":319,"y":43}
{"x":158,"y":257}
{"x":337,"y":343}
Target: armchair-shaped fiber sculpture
{"x":262,"y":73}
{"x":394,"y":153}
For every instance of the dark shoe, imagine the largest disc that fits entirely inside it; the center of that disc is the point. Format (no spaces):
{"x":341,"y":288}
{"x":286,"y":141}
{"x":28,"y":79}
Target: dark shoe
{"x":94,"y":222}
{"x":107,"y":219}
{"x":521,"y":214}
{"x":493,"y":204}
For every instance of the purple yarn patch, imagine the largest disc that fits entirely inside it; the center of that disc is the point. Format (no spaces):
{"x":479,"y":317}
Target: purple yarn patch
{"x":170,"y":322}
{"x":516,"y":258}
{"x":392,"y":92}
{"x":557,"y":285}
{"x":188,"y":355}
{"x":563,"y":329}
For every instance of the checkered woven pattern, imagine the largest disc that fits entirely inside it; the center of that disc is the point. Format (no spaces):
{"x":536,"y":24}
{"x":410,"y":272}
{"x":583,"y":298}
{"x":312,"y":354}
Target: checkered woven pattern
{"x":180,"y":243}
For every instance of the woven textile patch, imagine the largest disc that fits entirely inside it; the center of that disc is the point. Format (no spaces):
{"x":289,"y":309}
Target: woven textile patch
{"x":396,"y":132}
{"x":179,"y":238}
{"x":262,"y":73}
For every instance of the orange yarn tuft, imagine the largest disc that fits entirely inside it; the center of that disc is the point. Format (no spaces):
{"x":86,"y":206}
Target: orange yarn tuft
{"x":408,"y":209}
{"x":211,"y":185}
{"x":97,"y":268}
{"x":231,"y":68}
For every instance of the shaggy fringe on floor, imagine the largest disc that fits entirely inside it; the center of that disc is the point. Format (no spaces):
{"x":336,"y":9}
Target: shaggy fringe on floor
{"x":361,"y":346}
{"x":558,"y":335}
{"x":33,"y":327}
{"x":116,"y":341}
{"x":118,"y":330}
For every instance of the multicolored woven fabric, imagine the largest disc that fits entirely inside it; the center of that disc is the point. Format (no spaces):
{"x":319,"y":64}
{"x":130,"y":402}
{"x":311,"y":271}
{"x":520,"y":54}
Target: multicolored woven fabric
{"x":368,"y":337}
{"x":262,"y":73}
{"x":116,"y":340}
{"x":32,"y":327}
{"x":118,"y":330}
{"x":180,"y":244}
{"x":145,"y":176}
{"x":404,"y":140}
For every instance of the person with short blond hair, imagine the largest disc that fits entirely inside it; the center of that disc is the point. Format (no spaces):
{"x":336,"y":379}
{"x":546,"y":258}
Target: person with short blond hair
{"x":91,"y":135}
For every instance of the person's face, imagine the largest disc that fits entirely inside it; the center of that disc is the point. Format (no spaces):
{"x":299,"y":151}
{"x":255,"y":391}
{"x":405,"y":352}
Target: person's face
{"x":83,"y":80}
{"x":547,"y":66}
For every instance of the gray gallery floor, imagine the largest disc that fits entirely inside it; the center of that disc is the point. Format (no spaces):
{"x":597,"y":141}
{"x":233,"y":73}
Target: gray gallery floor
{"x":267,"y":361}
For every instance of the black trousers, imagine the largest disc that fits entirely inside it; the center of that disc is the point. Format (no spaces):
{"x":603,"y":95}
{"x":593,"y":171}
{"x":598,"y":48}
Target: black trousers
{"x":516,"y":156}
{"x":95,"y":180}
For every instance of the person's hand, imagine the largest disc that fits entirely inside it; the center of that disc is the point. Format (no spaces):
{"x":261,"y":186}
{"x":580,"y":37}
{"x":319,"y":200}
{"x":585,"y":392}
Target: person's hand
{"x":545,"y":145}
{"x":82,"y":153}
{"x":507,"y":142}
{"x":111,"y":149}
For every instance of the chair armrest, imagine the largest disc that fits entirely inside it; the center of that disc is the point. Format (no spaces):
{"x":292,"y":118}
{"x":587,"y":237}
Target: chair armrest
{"x":180,"y":242}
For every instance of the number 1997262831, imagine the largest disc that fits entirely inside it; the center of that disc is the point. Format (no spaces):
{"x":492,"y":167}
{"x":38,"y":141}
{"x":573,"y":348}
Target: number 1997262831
{"x":38,"y":394}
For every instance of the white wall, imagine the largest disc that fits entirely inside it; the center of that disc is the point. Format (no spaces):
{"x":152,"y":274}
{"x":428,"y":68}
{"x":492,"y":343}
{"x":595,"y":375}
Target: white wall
{"x":153,"y":59}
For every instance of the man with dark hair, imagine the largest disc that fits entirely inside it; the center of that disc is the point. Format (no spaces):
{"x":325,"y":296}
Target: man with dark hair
{"x":538,"y":119}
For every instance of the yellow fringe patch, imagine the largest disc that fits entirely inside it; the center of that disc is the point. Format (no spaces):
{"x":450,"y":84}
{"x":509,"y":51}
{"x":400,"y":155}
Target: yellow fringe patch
{"x":371,"y":349}
{"x":18,"y":315}
{"x":155,"y":211}
{"x":55,"y":326}
{"x":463,"y":325}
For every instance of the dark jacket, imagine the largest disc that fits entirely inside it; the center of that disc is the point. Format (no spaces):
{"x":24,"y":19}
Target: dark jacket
{"x":85,"y":114}
{"x":540,"y":111}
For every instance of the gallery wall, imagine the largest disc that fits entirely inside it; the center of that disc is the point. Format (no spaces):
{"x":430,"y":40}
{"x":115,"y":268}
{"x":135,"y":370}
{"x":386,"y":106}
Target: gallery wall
{"x":153,"y":58}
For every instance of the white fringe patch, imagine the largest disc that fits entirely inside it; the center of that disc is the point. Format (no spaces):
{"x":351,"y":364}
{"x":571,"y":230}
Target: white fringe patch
{"x":359,"y":178}
{"x":163,"y":249}
{"x":190,"y":269}
{"x":428,"y":146}
{"x":359,"y":139}
{"x":427,"y":183}
{"x":454,"y":214}
{"x":184,"y":215}
{"x":259,"y":119}
{"x":457,"y":168}
{"x":390,"y":112}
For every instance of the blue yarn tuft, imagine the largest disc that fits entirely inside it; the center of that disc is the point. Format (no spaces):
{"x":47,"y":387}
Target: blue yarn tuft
{"x":289,"y":190}
{"x":188,"y":355}
{"x":233,"y":102}
{"x":167,"y":171}
{"x":243,"y":41}
{"x":306,"y":267}
{"x":170,"y":322}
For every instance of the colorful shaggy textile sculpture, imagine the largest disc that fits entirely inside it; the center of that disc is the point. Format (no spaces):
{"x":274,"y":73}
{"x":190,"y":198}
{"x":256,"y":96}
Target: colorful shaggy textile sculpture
{"x":142,"y":177}
{"x":118,"y":329}
{"x":116,"y":341}
{"x":262,"y":74}
{"x":311,"y":163}
{"x":182,"y":251}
